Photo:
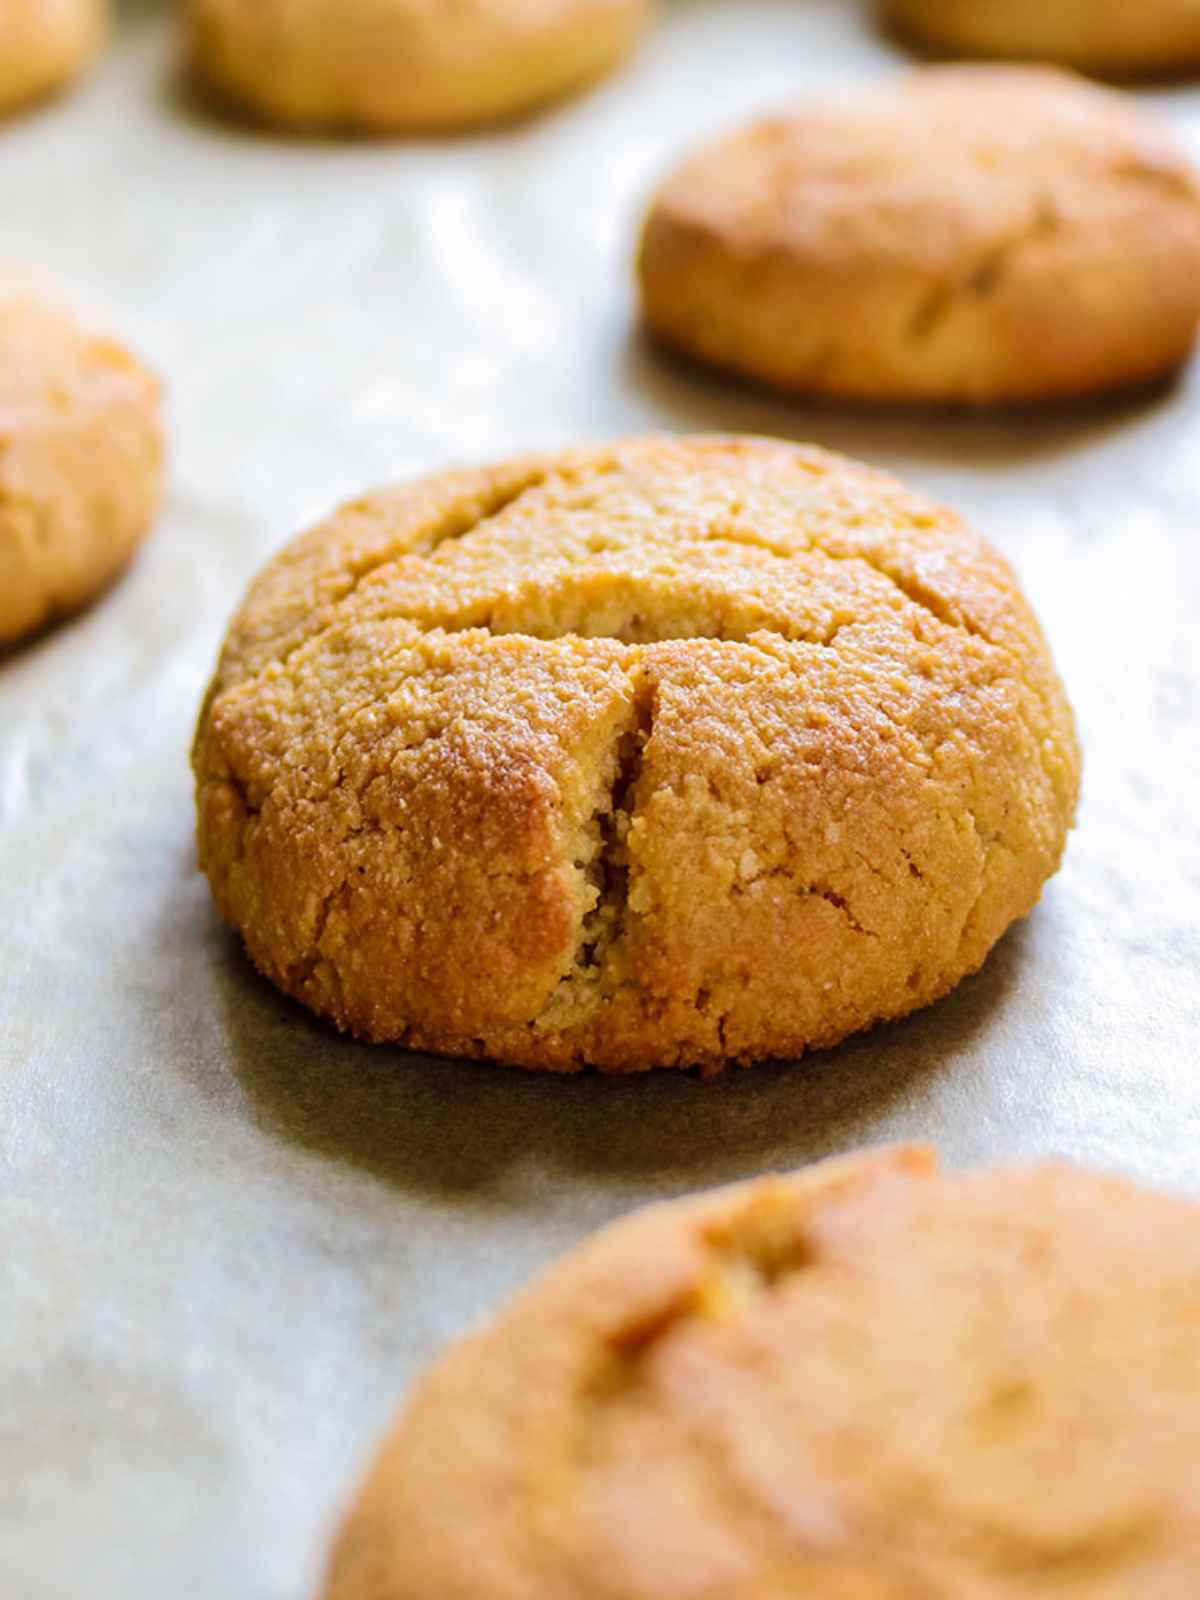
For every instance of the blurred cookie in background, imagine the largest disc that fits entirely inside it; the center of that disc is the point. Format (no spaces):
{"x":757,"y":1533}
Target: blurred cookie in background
{"x":960,"y":235}
{"x":80,"y":459}
{"x":1110,"y":37}
{"x":396,"y":66}
{"x":870,"y":1380}
{"x":44,"y":44}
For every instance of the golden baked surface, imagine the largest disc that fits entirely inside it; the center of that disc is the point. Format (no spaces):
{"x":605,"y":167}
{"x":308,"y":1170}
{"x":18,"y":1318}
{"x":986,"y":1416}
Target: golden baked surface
{"x":866,"y":1381}
{"x":46,"y":43}
{"x":390,"y":66}
{"x":80,"y":459}
{"x":1112,"y":37}
{"x":958,"y":235}
{"x":681,"y":751}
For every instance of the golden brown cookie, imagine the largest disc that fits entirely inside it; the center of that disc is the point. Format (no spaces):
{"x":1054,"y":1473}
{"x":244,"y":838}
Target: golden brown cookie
{"x":959,"y":235}
{"x":867,"y":1381}
{"x":44,"y":44}
{"x":80,"y":459}
{"x":680,"y":751}
{"x":1110,"y":37}
{"x":395,"y":66}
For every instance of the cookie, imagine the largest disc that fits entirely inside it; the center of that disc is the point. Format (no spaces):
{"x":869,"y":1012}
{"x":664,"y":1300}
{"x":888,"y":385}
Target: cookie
{"x":44,"y":44}
{"x":1151,"y":38}
{"x":867,"y":1381}
{"x":395,"y":66}
{"x":80,"y":459}
{"x":959,"y":235}
{"x":676,"y":752}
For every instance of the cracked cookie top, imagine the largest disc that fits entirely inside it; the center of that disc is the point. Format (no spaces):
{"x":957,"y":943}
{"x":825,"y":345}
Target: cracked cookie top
{"x":960,"y":234}
{"x":674,"y":752}
{"x":866,"y":1381}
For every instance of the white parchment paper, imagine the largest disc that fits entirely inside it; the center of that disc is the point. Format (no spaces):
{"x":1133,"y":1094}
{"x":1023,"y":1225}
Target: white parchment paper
{"x":228,"y":1238}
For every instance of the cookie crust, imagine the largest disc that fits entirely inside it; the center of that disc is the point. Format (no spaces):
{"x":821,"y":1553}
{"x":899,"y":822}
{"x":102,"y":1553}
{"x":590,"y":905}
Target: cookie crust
{"x":958,"y":236}
{"x":405,"y":66}
{"x":81,"y":450}
{"x":683,"y":751}
{"x":44,"y":44}
{"x":1154,"y":38}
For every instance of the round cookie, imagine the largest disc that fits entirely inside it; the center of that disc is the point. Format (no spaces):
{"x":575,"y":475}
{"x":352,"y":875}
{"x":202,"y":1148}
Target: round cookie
{"x":394,"y":66}
{"x":1114,"y":39}
{"x":676,"y":752}
{"x":44,"y":44}
{"x":80,"y":459}
{"x":960,"y":235}
{"x":866,"y":1381}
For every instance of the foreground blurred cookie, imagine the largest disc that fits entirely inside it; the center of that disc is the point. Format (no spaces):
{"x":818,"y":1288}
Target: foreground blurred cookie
{"x":867,"y":1381}
{"x":967,"y":235}
{"x":1112,"y":37}
{"x":676,"y":752}
{"x":46,"y":43}
{"x":405,"y":65}
{"x":80,"y":459}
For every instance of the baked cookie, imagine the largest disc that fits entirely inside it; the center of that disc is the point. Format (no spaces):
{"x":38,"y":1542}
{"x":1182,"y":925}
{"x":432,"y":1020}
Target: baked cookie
{"x":960,"y":235}
{"x":677,"y":752}
{"x":80,"y":459}
{"x":44,"y":44}
{"x":866,"y":1381}
{"x":394,"y":66}
{"x":1110,"y":37}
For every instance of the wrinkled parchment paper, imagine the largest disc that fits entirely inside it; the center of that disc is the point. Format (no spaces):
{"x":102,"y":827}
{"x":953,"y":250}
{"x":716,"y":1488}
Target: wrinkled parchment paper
{"x":228,"y":1238}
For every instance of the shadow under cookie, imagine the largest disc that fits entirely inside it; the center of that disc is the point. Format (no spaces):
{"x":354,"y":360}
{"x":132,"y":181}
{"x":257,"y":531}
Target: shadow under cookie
{"x":684,"y":393}
{"x":431,"y":1125}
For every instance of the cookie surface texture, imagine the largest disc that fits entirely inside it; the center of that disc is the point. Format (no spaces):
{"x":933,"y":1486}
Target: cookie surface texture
{"x":674,"y":752}
{"x":80,"y":462}
{"x":1110,"y":38}
{"x":395,"y":66}
{"x":44,"y":44}
{"x":956,"y":236}
{"x":866,"y":1381}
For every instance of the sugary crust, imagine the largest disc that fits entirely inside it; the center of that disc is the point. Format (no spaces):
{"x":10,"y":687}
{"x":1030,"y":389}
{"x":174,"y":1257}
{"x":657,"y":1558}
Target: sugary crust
{"x":961,"y":235}
{"x":676,"y":752}
{"x":394,"y":66}
{"x":865,"y":1381}
{"x":80,"y":460}
{"x":1116,"y":40}
{"x":46,"y":43}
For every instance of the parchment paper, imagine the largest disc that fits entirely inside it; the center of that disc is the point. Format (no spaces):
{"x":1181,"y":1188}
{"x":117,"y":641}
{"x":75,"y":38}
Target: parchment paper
{"x":228,"y":1238}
